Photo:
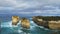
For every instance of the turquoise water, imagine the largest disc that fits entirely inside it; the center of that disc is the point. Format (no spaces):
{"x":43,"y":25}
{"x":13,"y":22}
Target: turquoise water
{"x":8,"y":28}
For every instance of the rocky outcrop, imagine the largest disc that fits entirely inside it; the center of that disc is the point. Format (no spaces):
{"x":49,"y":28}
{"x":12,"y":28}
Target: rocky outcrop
{"x":15,"y":20}
{"x":25,"y":23}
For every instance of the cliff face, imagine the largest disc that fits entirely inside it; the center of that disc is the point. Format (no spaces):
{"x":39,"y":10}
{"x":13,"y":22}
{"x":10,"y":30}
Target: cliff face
{"x":54,"y":25}
{"x":39,"y":21}
{"x":15,"y":20}
{"x":46,"y":22}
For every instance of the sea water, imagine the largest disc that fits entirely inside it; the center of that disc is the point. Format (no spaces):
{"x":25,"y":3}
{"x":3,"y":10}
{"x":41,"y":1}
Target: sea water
{"x":8,"y":28}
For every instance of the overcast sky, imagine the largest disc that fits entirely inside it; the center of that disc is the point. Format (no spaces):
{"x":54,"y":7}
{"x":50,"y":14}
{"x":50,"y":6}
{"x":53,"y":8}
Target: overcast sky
{"x":30,"y":7}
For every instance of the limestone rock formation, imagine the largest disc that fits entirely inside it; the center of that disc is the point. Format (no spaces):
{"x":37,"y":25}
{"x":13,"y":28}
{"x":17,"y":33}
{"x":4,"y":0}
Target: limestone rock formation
{"x":25,"y":23}
{"x":15,"y":20}
{"x":50,"y":22}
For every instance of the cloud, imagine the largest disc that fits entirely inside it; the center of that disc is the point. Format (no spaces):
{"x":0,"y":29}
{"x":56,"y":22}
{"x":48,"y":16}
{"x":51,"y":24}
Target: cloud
{"x":18,"y":5}
{"x":25,"y":4}
{"x":46,"y":10}
{"x":30,"y":7}
{"x":6,"y":8}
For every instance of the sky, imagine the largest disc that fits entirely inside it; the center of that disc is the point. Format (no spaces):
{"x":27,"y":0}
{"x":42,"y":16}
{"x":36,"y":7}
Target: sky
{"x":30,"y":7}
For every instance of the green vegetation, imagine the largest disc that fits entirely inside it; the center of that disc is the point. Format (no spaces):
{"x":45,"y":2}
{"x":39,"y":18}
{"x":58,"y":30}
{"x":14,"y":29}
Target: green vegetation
{"x":49,"y":18}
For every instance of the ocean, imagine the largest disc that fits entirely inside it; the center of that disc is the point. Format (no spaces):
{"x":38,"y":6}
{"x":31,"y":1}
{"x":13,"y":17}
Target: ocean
{"x":8,"y":28}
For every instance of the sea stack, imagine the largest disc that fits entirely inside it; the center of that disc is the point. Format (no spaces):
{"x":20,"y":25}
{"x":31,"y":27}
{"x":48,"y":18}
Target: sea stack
{"x":50,"y":22}
{"x":15,"y":20}
{"x":25,"y":23}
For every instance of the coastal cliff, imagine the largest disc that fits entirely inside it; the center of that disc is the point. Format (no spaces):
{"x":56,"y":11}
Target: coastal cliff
{"x":46,"y":21}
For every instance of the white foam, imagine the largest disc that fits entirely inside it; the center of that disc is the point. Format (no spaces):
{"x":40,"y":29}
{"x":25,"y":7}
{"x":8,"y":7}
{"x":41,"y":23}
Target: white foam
{"x":14,"y":26}
{"x":6,"y":24}
{"x":46,"y":29}
{"x":19,"y":23}
{"x":9,"y":24}
{"x":33,"y":23}
{"x":41,"y":26}
{"x":20,"y":31}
